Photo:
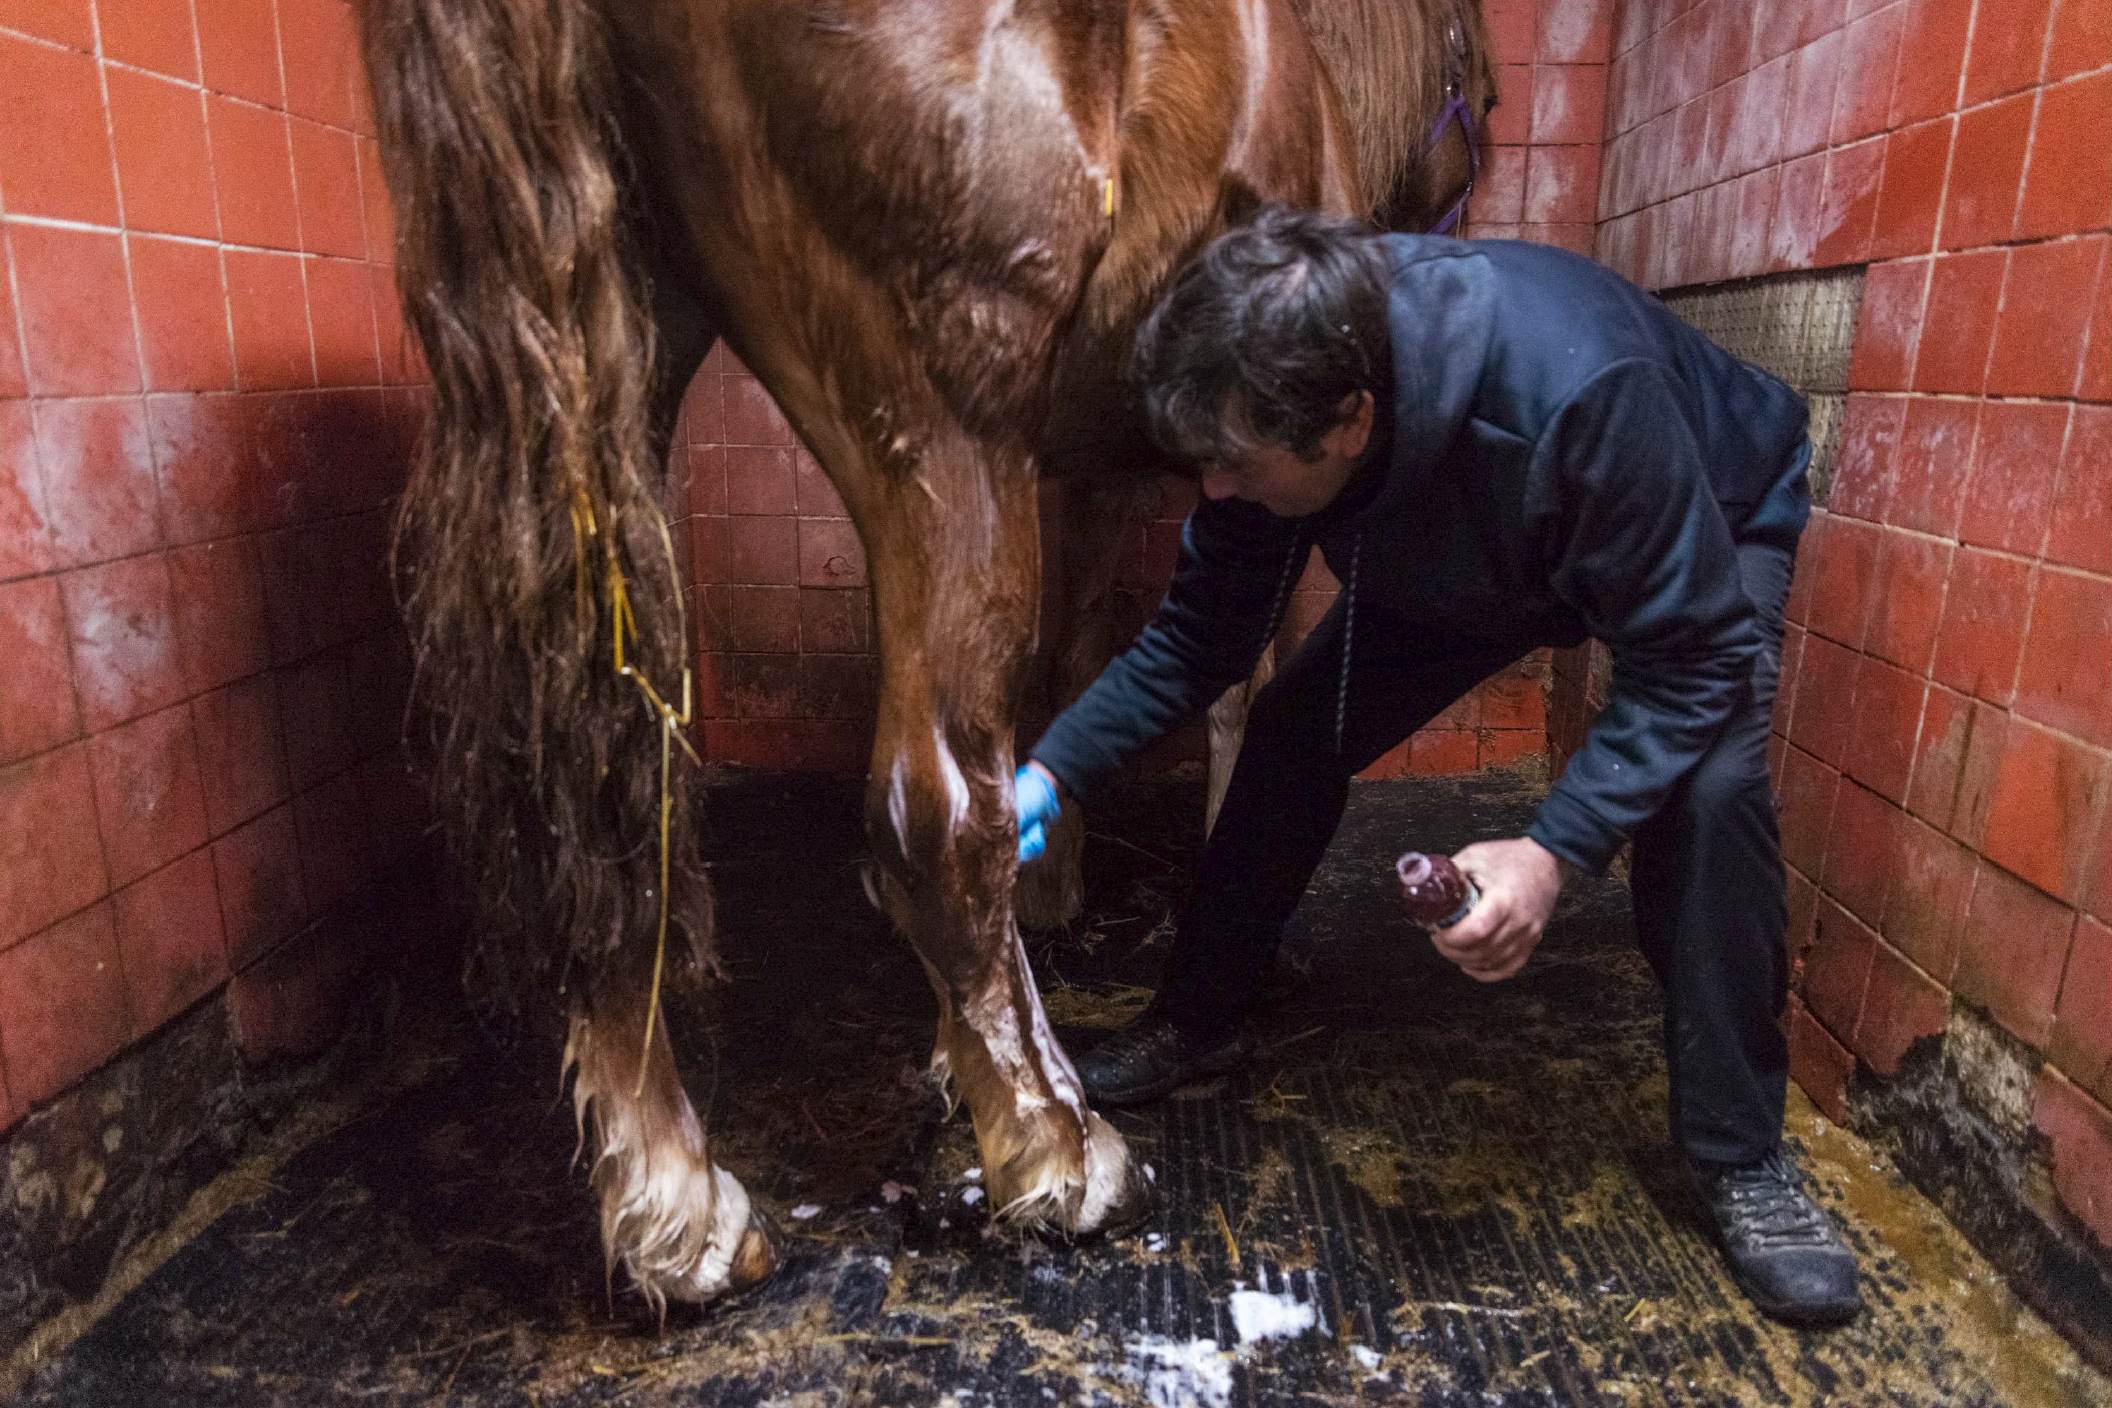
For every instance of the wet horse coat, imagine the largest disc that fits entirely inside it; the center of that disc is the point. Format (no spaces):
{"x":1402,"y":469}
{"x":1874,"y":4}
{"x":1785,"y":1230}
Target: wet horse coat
{"x":929,"y":229}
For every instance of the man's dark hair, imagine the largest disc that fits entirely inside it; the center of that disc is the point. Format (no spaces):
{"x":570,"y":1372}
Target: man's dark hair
{"x":1262,"y":336}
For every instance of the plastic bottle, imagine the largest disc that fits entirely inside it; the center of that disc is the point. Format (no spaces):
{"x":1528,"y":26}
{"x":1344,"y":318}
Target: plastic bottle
{"x":1434,"y":891}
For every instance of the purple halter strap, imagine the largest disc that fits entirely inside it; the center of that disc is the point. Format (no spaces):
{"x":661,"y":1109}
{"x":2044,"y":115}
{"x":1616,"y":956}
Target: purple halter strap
{"x":1456,"y":110}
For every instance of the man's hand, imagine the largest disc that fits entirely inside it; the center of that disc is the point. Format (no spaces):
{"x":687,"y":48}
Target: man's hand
{"x":1034,"y":793}
{"x":1518,"y":881}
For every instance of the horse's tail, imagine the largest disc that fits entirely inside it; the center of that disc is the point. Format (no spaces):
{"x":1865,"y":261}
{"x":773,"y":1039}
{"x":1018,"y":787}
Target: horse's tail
{"x":531,"y":547}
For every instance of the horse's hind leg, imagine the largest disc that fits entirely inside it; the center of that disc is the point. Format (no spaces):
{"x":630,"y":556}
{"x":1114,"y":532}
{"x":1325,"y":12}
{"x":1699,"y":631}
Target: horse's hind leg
{"x":681,"y":1226}
{"x":955,"y":576}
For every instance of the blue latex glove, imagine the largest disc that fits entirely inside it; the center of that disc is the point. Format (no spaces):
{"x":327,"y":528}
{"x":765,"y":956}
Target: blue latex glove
{"x":1035,"y":795}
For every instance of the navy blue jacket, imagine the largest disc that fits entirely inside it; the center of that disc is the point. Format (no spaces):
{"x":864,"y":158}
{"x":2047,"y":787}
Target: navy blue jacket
{"x":1561,"y":458}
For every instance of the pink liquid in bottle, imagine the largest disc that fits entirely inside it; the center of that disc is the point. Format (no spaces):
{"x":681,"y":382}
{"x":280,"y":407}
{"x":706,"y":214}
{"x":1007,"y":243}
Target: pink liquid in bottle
{"x":1437,"y":896}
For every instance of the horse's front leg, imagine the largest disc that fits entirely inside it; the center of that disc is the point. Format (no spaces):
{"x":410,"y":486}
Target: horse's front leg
{"x":955,"y":565}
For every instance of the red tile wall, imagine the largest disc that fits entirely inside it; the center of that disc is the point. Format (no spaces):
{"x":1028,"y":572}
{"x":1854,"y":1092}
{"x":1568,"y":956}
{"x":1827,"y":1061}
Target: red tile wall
{"x":205,"y":411}
{"x":1945,"y":731}
{"x":785,"y":651}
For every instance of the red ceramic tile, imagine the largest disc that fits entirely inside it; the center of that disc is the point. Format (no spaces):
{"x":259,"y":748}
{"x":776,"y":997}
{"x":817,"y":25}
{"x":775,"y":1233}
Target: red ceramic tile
{"x":62,"y":1005}
{"x":1569,"y":103}
{"x":1933,"y":462}
{"x":219,"y":612}
{"x":205,"y":447}
{"x":54,"y":147}
{"x":58,"y":274}
{"x":2081,"y":41}
{"x":758,"y":551}
{"x":1888,"y":329}
{"x":37,"y":709}
{"x":1820,"y":1065}
{"x":1864,"y":479}
{"x":239,"y":43}
{"x":327,"y":188}
{"x":1926,"y":902}
{"x":98,"y":478}
{"x":65,"y":22}
{"x":341,"y":313}
{"x":182,"y":311}
{"x":760,"y":479}
{"x":378,"y":213}
{"x":1901,"y":1006}
{"x":1880,"y":752}
{"x":2066,"y":676}
{"x":830,"y":554}
{"x":157,"y":36}
{"x":1862,"y":102}
{"x":126,"y":660}
{"x":836,"y":621}
{"x":2040,"y":338}
{"x":267,"y":307}
{"x":2078,"y":1130}
{"x":704,"y":408}
{"x":1510,"y":122}
{"x":1573,"y":32}
{"x":321,"y":56}
{"x":1979,"y":642}
{"x":1689,"y":166}
{"x":1793,"y":233}
{"x":1916,"y":159}
{"x":253,"y":174}
{"x":163,"y":172}
{"x":1775,"y":26}
{"x":837,"y":687}
{"x":315,"y":719}
{"x":2007,"y":46}
{"x":765,"y":619}
{"x":2068,"y":177}
{"x":25,"y":541}
{"x":1823,"y":719}
{"x":1506,"y":747}
{"x":1838,"y":969}
{"x":399,"y":354}
{"x":1908,"y":602}
{"x":1947,"y":723}
{"x":14,"y":381}
{"x":1561,"y":184}
{"x":1808,"y":792}
{"x":150,"y":807}
{"x":1987,"y":169}
{"x":1513,"y":700}
{"x":1756,"y":125}
{"x":1510,"y":26}
{"x":1574,"y":236}
{"x":241,"y":749}
{"x":763,"y":686}
{"x":1499,"y":196}
{"x":2045,"y":818}
{"x":1965,"y":292}
{"x":752,"y":418}
{"x":293,"y":1000}
{"x":1854,"y":176}
{"x":2080,"y":533}
{"x":2016,"y":457}
{"x":1442,"y":753}
{"x":2094,"y":383}
{"x":258,"y":869}
{"x":2015,"y":945}
{"x":169,"y":940}
{"x":1843,"y":575}
{"x":1862,"y":852}
{"x":1932,"y":43}
{"x":51,"y":862}
{"x":2081,"y":1042}
{"x":1814,"y":70}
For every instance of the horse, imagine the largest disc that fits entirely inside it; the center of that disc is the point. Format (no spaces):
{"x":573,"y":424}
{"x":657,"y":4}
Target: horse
{"x":929,"y":227}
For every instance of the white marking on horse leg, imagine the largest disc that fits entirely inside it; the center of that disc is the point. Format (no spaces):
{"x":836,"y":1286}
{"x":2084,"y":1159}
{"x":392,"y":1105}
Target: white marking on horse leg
{"x":956,"y":784}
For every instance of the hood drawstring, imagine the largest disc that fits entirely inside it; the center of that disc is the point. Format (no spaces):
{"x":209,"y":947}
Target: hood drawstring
{"x":1349,"y":634}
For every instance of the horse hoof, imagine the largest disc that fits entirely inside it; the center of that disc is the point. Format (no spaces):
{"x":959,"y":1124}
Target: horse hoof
{"x":759,"y":1254}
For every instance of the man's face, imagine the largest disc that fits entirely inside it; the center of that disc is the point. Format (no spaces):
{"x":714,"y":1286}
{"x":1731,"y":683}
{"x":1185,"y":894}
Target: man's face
{"x":1291,"y":487}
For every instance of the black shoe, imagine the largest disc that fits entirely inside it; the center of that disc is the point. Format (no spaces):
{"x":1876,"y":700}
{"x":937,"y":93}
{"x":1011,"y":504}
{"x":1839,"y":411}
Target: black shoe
{"x":1151,"y":1058}
{"x":1786,"y":1252}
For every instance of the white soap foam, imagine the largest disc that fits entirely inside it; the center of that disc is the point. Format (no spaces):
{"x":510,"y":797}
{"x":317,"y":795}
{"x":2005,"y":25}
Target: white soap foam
{"x":1370,"y":1358}
{"x":1179,"y":1373}
{"x":806,"y":1212}
{"x":1260,"y":1315}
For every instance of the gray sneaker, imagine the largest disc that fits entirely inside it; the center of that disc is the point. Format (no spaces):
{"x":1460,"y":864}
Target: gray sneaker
{"x":1785,"y":1250}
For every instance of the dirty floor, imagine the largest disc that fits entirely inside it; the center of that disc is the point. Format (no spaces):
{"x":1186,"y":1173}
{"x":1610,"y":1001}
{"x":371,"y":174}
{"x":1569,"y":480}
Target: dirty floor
{"x":1427,"y":1192}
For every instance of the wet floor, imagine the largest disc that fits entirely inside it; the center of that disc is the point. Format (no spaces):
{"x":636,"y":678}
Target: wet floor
{"x":1427,"y":1191}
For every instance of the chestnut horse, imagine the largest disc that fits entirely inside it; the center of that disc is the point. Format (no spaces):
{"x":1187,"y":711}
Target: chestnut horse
{"x":929,"y":228}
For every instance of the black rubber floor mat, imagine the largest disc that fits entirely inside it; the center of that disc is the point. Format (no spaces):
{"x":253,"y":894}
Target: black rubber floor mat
{"x":1425,"y":1191}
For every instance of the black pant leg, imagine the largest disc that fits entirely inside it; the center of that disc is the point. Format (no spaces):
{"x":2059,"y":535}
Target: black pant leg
{"x":1711,"y":915}
{"x":1286,"y":798}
